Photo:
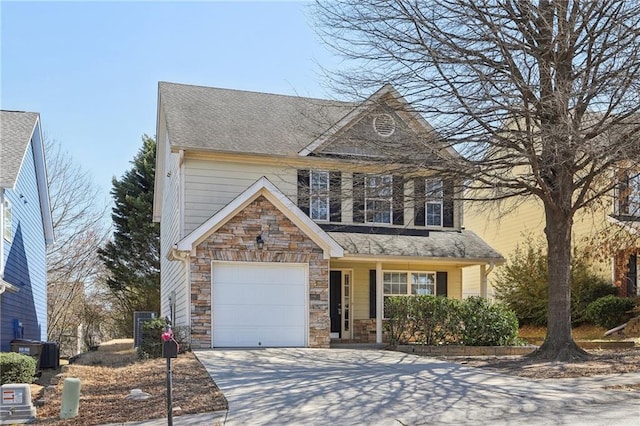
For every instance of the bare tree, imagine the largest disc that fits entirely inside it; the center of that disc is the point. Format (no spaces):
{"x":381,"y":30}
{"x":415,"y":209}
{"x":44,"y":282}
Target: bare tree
{"x":540,"y":97}
{"x":73,"y":265}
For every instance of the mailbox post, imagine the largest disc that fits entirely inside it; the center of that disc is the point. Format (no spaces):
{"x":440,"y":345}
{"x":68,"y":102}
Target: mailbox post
{"x":169,"y":350}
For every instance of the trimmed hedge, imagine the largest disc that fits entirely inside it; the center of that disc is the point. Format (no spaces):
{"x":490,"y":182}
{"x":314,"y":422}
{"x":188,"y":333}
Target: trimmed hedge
{"x":610,"y":311}
{"x":431,"y":320}
{"x":16,"y":368}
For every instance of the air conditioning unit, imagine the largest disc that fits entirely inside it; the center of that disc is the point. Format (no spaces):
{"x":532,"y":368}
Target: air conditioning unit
{"x":138,"y":318}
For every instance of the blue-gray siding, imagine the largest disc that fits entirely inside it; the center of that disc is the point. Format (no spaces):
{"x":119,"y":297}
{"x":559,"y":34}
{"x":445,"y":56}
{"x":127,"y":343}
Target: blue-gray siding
{"x":25,"y":261}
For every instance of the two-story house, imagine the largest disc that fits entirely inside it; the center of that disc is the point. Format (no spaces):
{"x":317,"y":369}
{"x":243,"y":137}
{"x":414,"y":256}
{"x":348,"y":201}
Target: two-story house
{"x":284,"y":224}
{"x":26,"y":227}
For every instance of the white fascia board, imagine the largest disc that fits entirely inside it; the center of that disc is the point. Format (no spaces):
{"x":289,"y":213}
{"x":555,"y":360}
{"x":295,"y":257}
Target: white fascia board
{"x":158,"y":187}
{"x":262,"y":187}
{"x":37,"y":143}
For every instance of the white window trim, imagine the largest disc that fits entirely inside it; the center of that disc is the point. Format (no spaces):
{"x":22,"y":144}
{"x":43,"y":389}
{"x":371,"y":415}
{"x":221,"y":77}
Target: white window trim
{"x":430,"y":200}
{"x":367,"y":199}
{"x":409,"y":283}
{"x":323,"y":194}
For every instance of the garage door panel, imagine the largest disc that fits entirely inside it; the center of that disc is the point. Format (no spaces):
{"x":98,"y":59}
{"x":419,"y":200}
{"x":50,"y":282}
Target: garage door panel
{"x":273,"y":315}
{"x":252,"y":294}
{"x":259,"y":304}
{"x":251,"y":337}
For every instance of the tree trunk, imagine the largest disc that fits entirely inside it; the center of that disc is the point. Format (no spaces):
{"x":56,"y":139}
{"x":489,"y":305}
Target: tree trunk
{"x":559,"y":344}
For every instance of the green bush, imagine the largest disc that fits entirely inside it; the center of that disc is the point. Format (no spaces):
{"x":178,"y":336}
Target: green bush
{"x":16,"y":368}
{"x":151,"y":342}
{"x":397,"y":310}
{"x":436,"y":320}
{"x":432,"y":320}
{"x":522,"y":285}
{"x":609,"y":311}
{"x":487,"y":324}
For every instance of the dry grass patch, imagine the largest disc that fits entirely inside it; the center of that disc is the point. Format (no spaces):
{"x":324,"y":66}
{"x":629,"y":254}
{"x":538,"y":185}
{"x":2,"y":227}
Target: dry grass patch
{"x":603,"y":361}
{"x":536,"y":334}
{"x":108,"y":375}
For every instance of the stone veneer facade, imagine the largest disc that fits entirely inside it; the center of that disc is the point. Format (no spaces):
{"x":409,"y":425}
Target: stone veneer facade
{"x":283,"y":242}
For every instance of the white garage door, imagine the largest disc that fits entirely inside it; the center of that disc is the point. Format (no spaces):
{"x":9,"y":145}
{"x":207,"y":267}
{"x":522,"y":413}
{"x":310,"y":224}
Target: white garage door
{"x":259,"y":304}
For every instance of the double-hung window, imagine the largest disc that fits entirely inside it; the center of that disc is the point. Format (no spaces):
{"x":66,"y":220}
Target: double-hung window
{"x":408,"y":283}
{"x":433,"y":205}
{"x":378,"y":199}
{"x":319,"y":195}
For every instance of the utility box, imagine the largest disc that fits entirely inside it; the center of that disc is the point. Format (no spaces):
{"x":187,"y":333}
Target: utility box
{"x":28,"y":347}
{"x":15,"y":404}
{"x":50,"y":356}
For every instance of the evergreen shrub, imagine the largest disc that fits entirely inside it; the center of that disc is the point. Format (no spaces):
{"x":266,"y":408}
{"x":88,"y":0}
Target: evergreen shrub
{"x":16,"y":368}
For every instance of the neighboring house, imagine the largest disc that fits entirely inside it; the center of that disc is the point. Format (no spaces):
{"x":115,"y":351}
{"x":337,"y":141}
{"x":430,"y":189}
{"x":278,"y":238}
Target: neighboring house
{"x":283,"y":225}
{"x":26,"y":225}
{"x":510,"y":224}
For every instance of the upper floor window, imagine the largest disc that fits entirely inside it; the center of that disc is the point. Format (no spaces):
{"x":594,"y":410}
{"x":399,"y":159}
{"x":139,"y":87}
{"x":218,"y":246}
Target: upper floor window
{"x":433,"y":205}
{"x":378,"y":199}
{"x":7,"y":231}
{"x":319,"y":195}
{"x":628,"y":194}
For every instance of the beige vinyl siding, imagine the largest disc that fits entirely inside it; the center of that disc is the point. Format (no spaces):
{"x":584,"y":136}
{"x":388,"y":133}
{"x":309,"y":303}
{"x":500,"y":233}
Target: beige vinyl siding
{"x":172,"y":272}
{"x":507,"y":226}
{"x":210,"y":185}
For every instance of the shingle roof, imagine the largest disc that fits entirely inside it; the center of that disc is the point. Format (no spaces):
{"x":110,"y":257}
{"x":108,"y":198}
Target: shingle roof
{"x":16,"y":129}
{"x":464,"y":246}
{"x":239,"y":121}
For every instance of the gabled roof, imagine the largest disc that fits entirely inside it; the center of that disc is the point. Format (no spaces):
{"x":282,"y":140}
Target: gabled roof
{"x":19,"y":129}
{"x":208,"y":118}
{"x":388,"y":96}
{"x":16,"y":129}
{"x":262,"y":187}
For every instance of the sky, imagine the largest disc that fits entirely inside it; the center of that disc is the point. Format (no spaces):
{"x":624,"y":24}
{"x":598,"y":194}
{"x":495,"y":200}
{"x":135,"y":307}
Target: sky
{"x":91,"y":69}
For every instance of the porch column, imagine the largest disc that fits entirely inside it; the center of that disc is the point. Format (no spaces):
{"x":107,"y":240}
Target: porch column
{"x":379,"y":302}
{"x":483,"y":281}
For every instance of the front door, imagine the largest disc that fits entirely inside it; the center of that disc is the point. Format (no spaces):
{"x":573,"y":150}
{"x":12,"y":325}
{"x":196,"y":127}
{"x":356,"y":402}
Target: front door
{"x":335,"y":303}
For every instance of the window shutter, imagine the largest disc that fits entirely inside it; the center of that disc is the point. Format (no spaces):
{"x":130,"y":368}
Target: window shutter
{"x":447,"y":203}
{"x":372,"y":293}
{"x":398,"y":200}
{"x":303,"y":191}
{"x":335,"y":197}
{"x":419,"y":200}
{"x":358,"y":197}
{"x":441,"y":284}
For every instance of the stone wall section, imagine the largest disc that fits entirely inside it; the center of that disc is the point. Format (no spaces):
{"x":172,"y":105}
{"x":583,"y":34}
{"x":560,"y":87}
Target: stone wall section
{"x":283,"y":242}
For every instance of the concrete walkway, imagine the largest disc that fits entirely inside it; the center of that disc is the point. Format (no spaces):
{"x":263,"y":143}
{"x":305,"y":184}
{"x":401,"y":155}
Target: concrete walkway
{"x":346,"y":386}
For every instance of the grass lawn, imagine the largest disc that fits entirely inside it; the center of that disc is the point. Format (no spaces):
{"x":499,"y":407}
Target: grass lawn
{"x":109,"y":374}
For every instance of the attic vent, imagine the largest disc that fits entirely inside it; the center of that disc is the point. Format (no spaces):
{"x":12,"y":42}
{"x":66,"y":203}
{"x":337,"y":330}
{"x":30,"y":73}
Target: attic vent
{"x":384,"y":124}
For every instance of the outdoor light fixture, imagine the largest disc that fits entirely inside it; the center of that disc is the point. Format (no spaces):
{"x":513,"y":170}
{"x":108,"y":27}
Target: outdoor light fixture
{"x":260,"y":242}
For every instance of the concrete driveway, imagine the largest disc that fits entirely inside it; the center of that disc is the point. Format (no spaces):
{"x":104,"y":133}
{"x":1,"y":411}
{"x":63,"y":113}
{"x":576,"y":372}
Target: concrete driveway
{"x":354,"y":386}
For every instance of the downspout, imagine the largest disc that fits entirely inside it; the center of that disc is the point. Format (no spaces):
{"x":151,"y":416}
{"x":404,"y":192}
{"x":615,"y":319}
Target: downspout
{"x":485,"y":279}
{"x":379,"y":302}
